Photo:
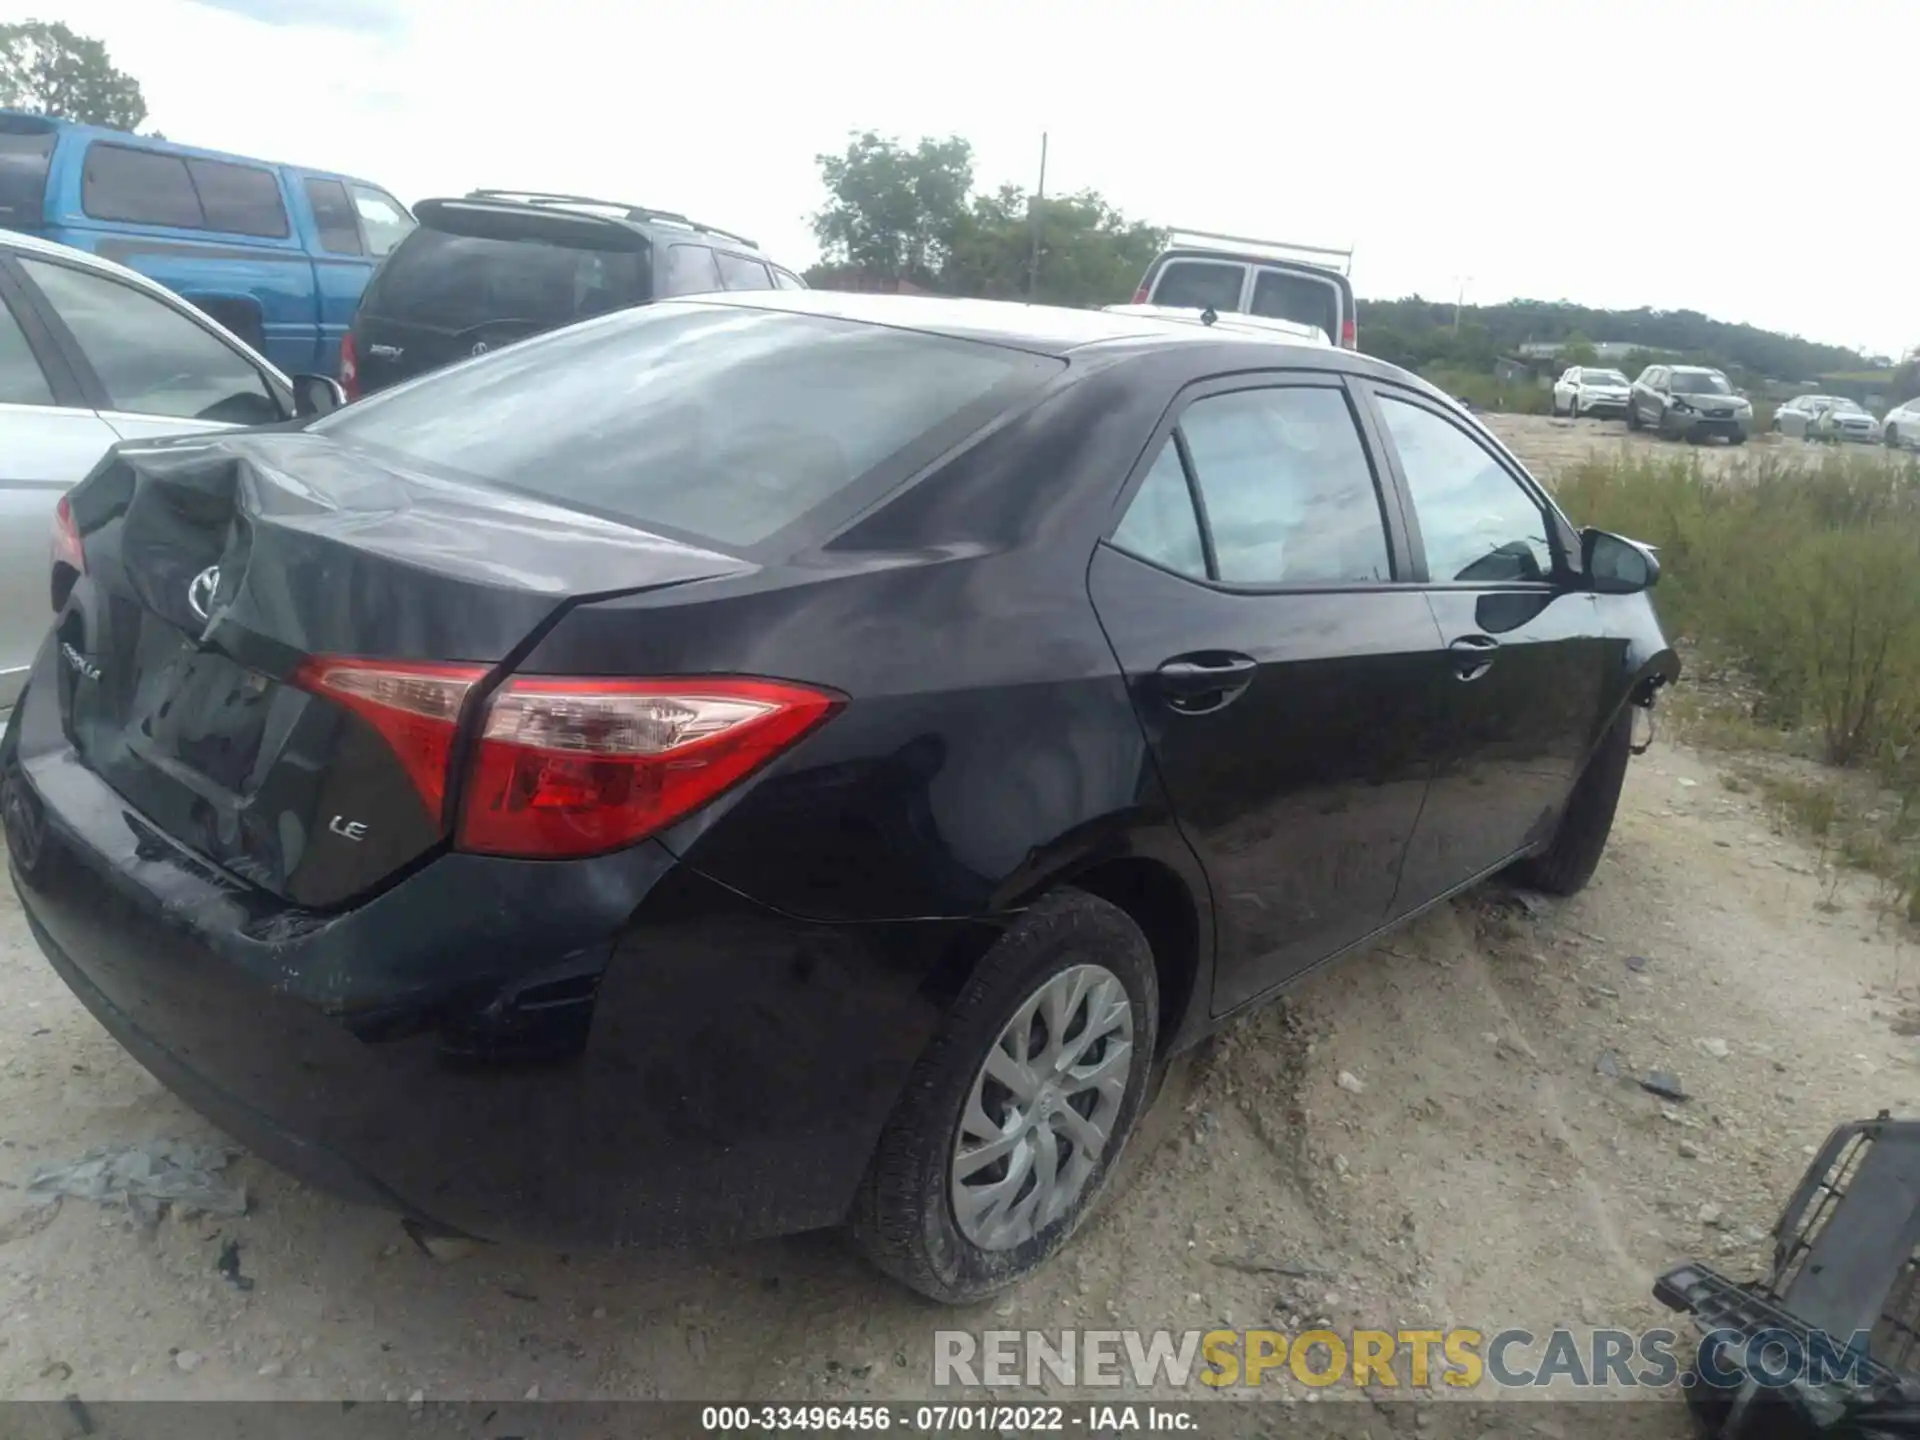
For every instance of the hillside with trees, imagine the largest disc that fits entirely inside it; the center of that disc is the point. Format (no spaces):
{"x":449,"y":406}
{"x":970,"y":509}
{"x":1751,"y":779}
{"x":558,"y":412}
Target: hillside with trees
{"x":1420,"y":334}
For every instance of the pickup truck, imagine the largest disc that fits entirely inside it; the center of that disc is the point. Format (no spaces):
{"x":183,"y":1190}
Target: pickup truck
{"x":276,"y":253}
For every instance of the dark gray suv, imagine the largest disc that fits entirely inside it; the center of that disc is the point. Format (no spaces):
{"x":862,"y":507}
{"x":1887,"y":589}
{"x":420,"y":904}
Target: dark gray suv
{"x":496,"y":266}
{"x":1689,"y":402}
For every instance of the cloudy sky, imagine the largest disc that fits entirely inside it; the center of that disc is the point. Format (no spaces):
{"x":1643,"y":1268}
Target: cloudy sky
{"x":1749,"y":158}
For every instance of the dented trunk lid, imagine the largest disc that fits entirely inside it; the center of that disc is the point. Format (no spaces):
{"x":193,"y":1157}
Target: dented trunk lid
{"x":217,"y":565}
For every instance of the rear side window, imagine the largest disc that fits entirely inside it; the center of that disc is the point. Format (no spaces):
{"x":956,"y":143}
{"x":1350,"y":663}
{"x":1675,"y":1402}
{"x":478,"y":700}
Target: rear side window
{"x":142,"y":187}
{"x":739,"y":273}
{"x":25,"y":155}
{"x":22,"y":381}
{"x":1303,"y":299}
{"x":453,"y":283}
{"x":688,"y":270}
{"x":384,"y":219}
{"x":151,"y":359}
{"x":239,"y":199}
{"x":1200,"y":285}
{"x":1160,"y":524}
{"x":784,"y":281}
{"x":718,"y":422}
{"x":333,"y":217}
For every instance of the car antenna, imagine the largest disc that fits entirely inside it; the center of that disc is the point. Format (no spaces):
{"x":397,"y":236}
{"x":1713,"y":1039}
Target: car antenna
{"x":1208,"y":316}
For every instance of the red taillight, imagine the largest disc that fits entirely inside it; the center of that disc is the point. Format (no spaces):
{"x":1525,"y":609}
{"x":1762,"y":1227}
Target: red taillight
{"x":349,"y":366}
{"x":1349,"y":335}
{"x":577,"y":767}
{"x":415,"y":707}
{"x":67,"y":549}
{"x":1139,"y":296}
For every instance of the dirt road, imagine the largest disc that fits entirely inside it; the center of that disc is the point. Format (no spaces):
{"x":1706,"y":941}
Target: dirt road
{"x":1548,"y":445}
{"x":1484,"y":1173}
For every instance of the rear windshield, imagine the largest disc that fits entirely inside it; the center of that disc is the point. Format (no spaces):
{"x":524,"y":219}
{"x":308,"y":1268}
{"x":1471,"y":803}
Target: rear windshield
{"x":724,"y":423}
{"x":456,"y":282}
{"x":1200,"y":285}
{"x":1306,"y":299}
{"x":24,"y":157}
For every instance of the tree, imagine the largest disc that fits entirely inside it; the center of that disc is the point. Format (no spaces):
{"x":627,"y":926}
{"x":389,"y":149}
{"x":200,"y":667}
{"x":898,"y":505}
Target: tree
{"x":44,"y":66}
{"x":894,"y":212}
{"x":1577,"y":349}
{"x":1090,"y":254}
{"x":1905,"y":384}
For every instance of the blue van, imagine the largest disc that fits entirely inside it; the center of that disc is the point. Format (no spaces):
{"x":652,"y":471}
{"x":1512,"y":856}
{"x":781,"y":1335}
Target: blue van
{"x":277,"y":254}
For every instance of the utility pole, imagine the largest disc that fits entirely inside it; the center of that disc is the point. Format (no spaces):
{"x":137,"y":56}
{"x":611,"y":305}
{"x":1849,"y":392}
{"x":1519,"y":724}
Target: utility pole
{"x":1459,"y":299}
{"x":1039,"y":198}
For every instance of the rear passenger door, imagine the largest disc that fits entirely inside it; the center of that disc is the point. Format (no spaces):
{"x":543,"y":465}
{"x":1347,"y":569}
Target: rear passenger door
{"x":1250,"y":592}
{"x":1519,"y":699}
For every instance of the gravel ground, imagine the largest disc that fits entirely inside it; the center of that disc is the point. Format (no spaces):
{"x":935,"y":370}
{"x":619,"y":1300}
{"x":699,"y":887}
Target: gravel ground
{"x":1483,"y":1171}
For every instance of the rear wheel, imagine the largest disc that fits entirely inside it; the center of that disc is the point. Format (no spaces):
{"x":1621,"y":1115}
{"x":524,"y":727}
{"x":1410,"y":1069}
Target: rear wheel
{"x":1892,"y":437}
{"x":1633,"y":416}
{"x":1013,"y":1119}
{"x":1568,"y":862}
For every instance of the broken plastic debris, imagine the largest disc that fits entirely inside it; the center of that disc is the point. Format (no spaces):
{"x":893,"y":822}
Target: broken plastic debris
{"x":147,"y":1177}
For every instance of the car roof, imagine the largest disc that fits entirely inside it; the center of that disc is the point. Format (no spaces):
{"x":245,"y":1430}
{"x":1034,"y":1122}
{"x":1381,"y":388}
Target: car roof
{"x":1265,"y":326}
{"x":21,"y":244}
{"x":644,"y":218}
{"x":1053,"y":330}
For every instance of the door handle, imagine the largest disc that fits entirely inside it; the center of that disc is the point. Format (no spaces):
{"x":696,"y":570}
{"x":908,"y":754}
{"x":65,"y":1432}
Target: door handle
{"x":1473,"y":655}
{"x":1195,"y":684}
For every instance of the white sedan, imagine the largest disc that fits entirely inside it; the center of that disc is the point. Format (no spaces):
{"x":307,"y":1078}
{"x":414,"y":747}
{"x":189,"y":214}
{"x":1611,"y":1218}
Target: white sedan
{"x":1902,"y":426}
{"x":1588,"y":390}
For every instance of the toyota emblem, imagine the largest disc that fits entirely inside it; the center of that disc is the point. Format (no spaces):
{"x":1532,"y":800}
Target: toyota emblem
{"x":200,"y":591}
{"x":480,"y":349}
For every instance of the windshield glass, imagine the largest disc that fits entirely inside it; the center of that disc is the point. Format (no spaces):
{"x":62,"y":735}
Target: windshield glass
{"x":1846,"y":407}
{"x":1603,"y":377}
{"x":1700,"y":382}
{"x":724,"y":423}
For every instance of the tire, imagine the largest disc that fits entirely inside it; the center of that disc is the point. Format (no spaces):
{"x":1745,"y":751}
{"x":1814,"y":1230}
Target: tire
{"x":1633,"y":416}
{"x":1737,"y":438}
{"x":1890,"y":437}
{"x":1568,"y":862}
{"x":905,"y":1218}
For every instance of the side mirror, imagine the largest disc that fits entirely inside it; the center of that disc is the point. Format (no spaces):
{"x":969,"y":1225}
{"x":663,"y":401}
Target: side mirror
{"x":1615,"y":565}
{"x":316,"y":395}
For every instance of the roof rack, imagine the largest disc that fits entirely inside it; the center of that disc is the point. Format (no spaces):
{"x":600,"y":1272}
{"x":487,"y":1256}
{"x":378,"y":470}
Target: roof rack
{"x":1176,"y":236}
{"x":630,"y":212}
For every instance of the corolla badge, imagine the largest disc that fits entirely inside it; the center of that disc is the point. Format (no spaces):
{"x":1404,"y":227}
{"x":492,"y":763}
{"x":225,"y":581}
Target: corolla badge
{"x":200,"y":591}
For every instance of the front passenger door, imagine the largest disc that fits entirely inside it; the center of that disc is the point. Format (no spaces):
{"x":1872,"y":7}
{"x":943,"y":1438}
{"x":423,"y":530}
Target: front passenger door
{"x":1526,"y":659}
{"x":1278,"y":668}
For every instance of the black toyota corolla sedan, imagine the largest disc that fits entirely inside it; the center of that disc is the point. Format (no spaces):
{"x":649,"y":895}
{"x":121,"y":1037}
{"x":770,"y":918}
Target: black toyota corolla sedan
{"x":792,"y":760}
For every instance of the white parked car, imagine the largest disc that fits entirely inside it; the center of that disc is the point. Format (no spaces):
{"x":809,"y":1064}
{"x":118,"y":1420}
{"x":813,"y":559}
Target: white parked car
{"x":1796,"y":417}
{"x":92,"y":354}
{"x":1590,"y":390}
{"x":1845,"y":420}
{"x":1902,"y":425}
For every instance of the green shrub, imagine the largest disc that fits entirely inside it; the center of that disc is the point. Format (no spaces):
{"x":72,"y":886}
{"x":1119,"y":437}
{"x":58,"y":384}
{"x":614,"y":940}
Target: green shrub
{"x":1805,"y":575}
{"x":1484,"y":392}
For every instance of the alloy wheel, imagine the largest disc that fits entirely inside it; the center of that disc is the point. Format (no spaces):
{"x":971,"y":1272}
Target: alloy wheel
{"x":1041,"y":1109}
